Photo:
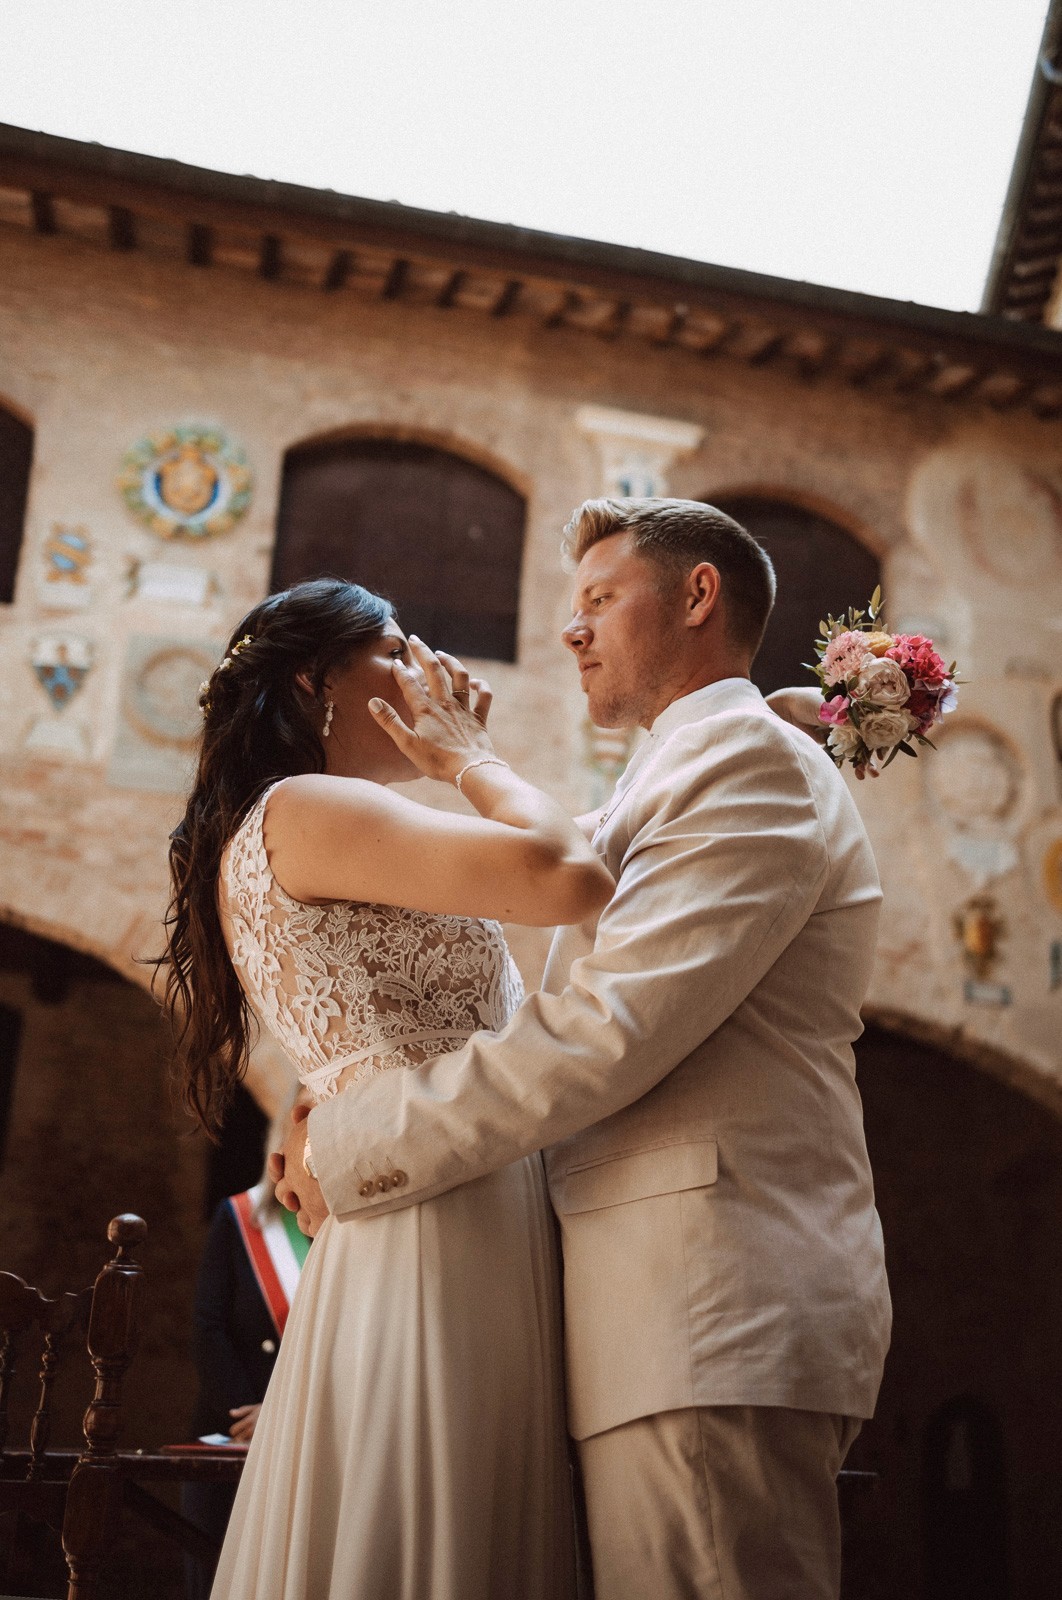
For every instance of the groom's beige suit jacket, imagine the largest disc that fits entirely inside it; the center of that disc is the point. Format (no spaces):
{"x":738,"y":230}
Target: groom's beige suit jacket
{"x":688,"y":1069}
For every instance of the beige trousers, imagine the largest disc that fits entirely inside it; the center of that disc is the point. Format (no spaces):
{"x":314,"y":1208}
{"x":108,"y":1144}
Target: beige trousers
{"x":717,"y":1503}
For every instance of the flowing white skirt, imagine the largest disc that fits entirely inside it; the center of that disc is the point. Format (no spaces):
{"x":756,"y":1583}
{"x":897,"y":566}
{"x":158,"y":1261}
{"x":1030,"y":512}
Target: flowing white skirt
{"x":411,"y":1445}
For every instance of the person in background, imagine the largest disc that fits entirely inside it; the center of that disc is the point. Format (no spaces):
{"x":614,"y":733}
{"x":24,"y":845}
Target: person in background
{"x":251,"y":1263}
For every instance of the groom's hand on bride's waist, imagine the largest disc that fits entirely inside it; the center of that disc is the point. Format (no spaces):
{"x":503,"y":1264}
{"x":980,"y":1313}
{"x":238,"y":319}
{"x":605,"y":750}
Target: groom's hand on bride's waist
{"x":295,"y":1188}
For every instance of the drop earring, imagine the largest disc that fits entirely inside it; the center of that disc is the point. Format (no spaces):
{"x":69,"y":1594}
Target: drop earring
{"x":330,"y":708}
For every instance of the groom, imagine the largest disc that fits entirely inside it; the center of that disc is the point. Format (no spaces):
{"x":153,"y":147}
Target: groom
{"x":688,"y":1069}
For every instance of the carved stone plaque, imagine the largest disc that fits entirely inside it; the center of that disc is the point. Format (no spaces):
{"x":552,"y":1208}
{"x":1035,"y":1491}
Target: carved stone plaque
{"x":159,"y":719}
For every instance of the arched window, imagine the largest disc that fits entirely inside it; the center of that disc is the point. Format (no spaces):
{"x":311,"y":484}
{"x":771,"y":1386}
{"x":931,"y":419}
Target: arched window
{"x":441,"y":538}
{"x":968,"y":1184}
{"x":91,"y":1132}
{"x":820,"y":568}
{"x":16,"y":454}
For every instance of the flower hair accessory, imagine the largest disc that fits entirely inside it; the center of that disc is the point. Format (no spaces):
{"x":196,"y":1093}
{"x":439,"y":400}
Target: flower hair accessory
{"x":205,"y":702}
{"x":882,"y":691}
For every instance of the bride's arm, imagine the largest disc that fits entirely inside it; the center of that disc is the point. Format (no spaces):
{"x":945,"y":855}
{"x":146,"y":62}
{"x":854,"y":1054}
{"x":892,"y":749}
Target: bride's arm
{"x":522,"y":859}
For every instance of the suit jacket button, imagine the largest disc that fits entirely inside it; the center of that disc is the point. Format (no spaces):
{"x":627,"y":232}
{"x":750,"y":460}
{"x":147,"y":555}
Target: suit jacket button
{"x":382,"y":1186}
{"x":269,"y":1347}
{"x":398,"y":1179}
{"x":367,"y":1189}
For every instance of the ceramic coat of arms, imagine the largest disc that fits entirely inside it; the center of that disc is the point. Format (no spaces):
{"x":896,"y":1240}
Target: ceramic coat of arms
{"x":61,"y":663}
{"x":187,"y":483}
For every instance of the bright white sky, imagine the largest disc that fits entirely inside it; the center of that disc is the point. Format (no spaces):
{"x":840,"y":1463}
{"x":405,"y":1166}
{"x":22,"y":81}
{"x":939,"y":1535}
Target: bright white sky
{"x":861,"y":143}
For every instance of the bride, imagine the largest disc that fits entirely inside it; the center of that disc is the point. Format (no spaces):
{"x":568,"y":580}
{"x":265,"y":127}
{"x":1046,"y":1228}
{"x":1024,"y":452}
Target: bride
{"x":412,"y":1441}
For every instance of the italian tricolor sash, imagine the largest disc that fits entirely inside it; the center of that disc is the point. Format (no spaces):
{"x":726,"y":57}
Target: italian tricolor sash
{"x":275,"y":1251}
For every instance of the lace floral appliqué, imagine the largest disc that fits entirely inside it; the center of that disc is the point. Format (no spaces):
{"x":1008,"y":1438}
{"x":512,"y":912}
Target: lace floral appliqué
{"x":364,"y":987}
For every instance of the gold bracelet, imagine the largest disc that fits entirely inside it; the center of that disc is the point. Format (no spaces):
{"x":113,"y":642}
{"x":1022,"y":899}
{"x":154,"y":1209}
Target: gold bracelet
{"x":483,"y":761}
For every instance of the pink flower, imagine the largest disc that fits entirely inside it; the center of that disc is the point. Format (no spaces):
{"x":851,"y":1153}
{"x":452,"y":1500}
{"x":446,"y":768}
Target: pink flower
{"x":922,"y":704}
{"x":844,"y":656}
{"x":916,"y":655}
{"x":925,"y":706}
{"x":834,"y":713}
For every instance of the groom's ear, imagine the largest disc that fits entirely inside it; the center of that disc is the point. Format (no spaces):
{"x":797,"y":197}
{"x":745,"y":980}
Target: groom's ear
{"x":703,"y":588}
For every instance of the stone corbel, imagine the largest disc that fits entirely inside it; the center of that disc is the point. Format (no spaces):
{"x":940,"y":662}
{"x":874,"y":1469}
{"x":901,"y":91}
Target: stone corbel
{"x":636,"y":452}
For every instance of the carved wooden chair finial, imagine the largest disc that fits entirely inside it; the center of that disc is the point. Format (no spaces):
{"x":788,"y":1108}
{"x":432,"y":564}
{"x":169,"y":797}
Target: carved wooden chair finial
{"x":33,"y":1483}
{"x":95,"y":1488}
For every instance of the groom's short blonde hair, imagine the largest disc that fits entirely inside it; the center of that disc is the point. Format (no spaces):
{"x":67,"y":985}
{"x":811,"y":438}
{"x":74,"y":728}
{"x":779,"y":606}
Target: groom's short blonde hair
{"x":676,"y":536}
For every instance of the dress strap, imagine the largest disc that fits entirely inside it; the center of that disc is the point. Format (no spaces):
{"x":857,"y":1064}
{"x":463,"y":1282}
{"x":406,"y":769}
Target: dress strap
{"x":250,"y":830}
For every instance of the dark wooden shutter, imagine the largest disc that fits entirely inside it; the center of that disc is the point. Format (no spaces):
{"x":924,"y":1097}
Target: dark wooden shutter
{"x":10,"y":1040}
{"x":968,"y":1184}
{"x":820,"y":568}
{"x":16,"y":455}
{"x":440,"y":537}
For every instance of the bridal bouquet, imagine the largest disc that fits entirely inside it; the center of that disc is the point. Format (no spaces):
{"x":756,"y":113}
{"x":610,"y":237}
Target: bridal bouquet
{"x":883,"y":691}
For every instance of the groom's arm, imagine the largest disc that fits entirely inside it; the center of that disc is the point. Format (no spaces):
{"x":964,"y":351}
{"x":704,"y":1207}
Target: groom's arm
{"x":726,"y":861}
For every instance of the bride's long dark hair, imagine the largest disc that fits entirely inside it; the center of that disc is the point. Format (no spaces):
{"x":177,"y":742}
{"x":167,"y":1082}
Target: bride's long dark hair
{"x":258,"y":726}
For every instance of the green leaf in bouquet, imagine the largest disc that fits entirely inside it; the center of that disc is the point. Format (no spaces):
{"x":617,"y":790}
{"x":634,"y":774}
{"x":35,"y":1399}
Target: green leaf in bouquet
{"x":905,"y":748}
{"x":875,"y":602}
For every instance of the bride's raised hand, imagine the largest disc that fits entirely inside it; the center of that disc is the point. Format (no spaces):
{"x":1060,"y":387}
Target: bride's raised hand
{"x":447,"y":726}
{"x":463,"y":687}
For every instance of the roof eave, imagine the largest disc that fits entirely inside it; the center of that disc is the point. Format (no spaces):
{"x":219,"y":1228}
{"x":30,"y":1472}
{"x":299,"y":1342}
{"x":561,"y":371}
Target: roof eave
{"x":1046,"y":79}
{"x":955,"y":350}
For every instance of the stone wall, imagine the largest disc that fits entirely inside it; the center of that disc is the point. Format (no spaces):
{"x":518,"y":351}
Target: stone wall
{"x":964,"y":507}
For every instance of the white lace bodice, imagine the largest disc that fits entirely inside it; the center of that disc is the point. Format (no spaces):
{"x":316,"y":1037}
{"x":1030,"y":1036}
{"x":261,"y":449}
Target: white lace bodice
{"x":351,"y":986}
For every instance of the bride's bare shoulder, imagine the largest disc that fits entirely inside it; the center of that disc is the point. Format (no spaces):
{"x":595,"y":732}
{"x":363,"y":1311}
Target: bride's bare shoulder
{"x":318,"y":797}
{"x":320,"y":832}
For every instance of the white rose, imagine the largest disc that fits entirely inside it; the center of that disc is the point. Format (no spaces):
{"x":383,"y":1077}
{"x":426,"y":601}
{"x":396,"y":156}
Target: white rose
{"x":884,"y":683}
{"x":844,"y":742}
{"x":883,"y":729}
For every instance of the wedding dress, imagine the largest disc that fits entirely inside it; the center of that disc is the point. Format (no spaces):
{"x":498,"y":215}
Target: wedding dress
{"x":411,"y":1445}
